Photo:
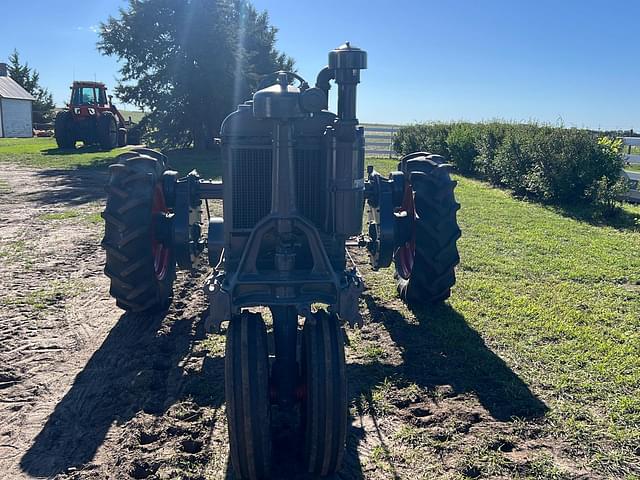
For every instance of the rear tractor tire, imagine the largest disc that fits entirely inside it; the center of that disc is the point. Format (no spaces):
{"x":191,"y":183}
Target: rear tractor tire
{"x":63,"y":130}
{"x":324,"y":408}
{"x":425,"y":265}
{"x":247,"y":396}
{"x":107,"y":127}
{"x":141,"y":267}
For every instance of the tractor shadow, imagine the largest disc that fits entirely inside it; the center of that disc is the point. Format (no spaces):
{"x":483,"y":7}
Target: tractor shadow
{"x":74,"y":184}
{"x":85,"y":182}
{"x":136,"y":369}
{"x":72,"y":151}
{"x":618,"y":217}
{"x":438,"y":349}
{"x":73,"y":187}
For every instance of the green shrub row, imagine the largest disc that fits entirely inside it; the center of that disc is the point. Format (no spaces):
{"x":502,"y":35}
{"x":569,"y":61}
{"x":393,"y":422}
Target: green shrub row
{"x":553,"y":164}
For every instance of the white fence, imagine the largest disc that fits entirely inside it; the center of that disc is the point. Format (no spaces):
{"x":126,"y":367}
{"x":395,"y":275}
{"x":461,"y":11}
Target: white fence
{"x":631,"y":158}
{"x":633,"y":195}
{"x":378,"y":139}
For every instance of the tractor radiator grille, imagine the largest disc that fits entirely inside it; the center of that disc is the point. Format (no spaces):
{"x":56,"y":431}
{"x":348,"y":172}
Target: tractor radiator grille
{"x":310,"y":184}
{"x":251,"y":186}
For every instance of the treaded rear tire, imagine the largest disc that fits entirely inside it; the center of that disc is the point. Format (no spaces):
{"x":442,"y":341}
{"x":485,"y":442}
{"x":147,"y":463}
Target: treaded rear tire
{"x":248,"y":404}
{"x":63,"y":130}
{"x":129,"y":225}
{"x":436,"y":233}
{"x":324,"y":408}
{"x":107,"y":129}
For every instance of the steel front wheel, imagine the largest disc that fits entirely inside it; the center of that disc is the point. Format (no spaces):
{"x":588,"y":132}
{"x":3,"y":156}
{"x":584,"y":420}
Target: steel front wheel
{"x":324,"y":407}
{"x":247,"y":396}
{"x":140,"y":261}
{"x":425,"y":264}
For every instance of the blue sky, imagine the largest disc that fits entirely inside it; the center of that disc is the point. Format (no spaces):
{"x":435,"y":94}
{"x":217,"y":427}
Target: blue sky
{"x":570,"y":62}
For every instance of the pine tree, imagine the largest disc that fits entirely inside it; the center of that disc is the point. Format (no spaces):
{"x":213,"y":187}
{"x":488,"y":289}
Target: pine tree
{"x":189,"y":62}
{"x":29,"y":79}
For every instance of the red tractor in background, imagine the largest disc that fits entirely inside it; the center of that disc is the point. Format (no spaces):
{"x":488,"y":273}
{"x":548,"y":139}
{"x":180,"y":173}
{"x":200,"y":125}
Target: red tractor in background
{"x":91,"y":118}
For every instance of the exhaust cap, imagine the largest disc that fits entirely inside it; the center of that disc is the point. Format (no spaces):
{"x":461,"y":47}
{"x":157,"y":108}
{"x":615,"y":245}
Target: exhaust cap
{"x":346,"y":56}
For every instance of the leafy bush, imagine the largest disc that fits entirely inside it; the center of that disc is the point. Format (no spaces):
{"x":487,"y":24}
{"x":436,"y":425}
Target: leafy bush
{"x":431,"y":137}
{"x":512,"y":160}
{"x":488,"y":140}
{"x":461,"y":141}
{"x":608,"y":190}
{"x":555,"y":165}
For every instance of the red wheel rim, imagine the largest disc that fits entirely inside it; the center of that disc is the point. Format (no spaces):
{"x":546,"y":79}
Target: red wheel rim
{"x":406,"y":253}
{"x":160,"y":252}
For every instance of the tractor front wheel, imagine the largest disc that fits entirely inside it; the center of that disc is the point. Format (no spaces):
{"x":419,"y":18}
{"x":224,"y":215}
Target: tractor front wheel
{"x":425,"y":263}
{"x":140,"y":261}
{"x":324,"y":407}
{"x":246,"y":378}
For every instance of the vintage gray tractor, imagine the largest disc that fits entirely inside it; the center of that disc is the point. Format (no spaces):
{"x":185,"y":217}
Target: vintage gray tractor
{"x":294,"y":191}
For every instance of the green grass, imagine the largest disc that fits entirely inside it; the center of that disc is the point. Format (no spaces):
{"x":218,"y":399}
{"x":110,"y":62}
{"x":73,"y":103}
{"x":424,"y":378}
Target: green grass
{"x":89,"y":217}
{"x":64,"y":215}
{"x":633,"y":168}
{"x":559,"y":300}
{"x":95,"y":217}
{"x":4,"y":187}
{"x":12,"y":249}
{"x":43,"y":153}
{"x":208,"y":164}
{"x":43,"y":298}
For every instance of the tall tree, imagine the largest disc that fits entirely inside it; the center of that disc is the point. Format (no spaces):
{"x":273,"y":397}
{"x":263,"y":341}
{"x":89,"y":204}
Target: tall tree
{"x":189,"y":62}
{"x":29,"y":79}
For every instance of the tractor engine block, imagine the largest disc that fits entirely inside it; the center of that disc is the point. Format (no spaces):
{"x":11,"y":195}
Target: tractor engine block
{"x":293,"y":194}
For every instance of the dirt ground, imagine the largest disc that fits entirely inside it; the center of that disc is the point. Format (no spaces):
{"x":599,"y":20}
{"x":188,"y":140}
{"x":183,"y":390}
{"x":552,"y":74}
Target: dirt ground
{"x":87,"y":392}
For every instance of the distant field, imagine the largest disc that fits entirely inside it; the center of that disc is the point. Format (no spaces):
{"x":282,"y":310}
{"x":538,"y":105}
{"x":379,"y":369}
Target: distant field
{"x":634,"y":149}
{"x":135,"y":116}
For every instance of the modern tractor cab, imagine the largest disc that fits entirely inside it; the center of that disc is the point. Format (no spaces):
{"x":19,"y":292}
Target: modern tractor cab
{"x":90,"y":93}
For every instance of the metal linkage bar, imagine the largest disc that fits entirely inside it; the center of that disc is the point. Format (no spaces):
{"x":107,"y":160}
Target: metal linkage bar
{"x":210,"y":190}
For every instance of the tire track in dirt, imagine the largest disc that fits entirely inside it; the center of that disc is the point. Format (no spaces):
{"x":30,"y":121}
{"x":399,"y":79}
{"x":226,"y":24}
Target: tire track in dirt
{"x":53,"y":307}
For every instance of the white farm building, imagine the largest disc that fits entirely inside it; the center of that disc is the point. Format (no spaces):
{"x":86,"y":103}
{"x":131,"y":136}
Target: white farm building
{"x":16,"y":106}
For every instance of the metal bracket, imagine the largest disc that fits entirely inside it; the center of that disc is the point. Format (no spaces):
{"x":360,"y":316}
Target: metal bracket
{"x":219,"y":302}
{"x":381,"y":199}
{"x":187,"y":231}
{"x":348,"y":298}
